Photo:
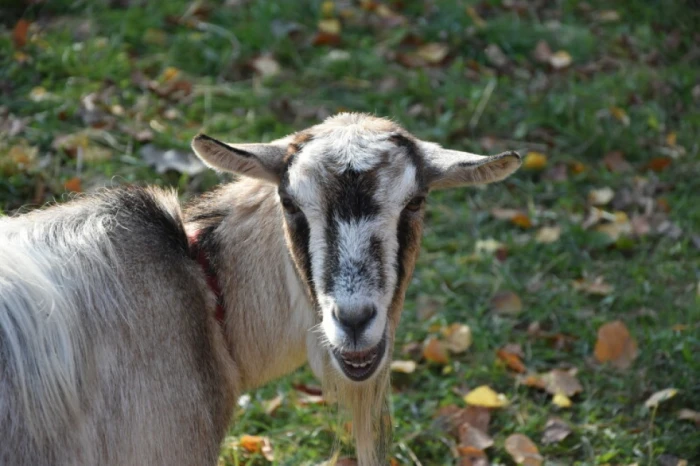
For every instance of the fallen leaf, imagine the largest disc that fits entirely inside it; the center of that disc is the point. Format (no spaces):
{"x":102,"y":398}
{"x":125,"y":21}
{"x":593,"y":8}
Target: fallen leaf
{"x":506,"y":302}
{"x":487,"y":246}
{"x":433,"y":52}
{"x":504,"y":214}
{"x":19,"y":158}
{"x":560,"y":59}
{"x":601,"y":196}
{"x":485,"y":397}
{"x":265,"y":65}
{"x":620,"y":115}
{"x":436,"y":351}
{"x":659,"y":164}
{"x":458,"y":338}
{"x":607,"y":16}
{"x":271,"y":405}
{"x":560,"y":381}
{"x":616,"y":163}
{"x":470,"y":436}
{"x":405,"y":367}
{"x":511,"y":360}
{"x":561,"y":400}
{"x":478,"y":20}
{"x":74,"y":184}
{"x":671,"y":138}
{"x":532,"y":380}
{"x":689,"y":415}
{"x":615,"y":345}
{"x":523,"y":450}
{"x":660,"y":397}
{"x":330,"y":26}
{"x":596,"y":287}
{"x":521,"y":220}
{"x":542,"y":52}
{"x":170,"y":73}
{"x":257,"y":444}
{"x":535,"y":161}
{"x":555,"y":431}
{"x":470,"y":456}
{"x":496,"y":56}
{"x":547,"y":235}
{"x":19,"y":33}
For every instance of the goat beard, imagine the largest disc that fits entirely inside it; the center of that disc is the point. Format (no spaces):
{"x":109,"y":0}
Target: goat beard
{"x":368,"y":407}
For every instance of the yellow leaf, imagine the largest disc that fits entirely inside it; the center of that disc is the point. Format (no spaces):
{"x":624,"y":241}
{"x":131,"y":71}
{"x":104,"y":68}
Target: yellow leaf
{"x":535,"y":161}
{"x":660,"y":397}
{"x":671,"y":139}
{"x":560,"y":59}
{"x":485,"y":397}
{"x":433,"y":52}
{"x":521,"y":220}
{"x":405,"y":367}
{"x":327,"y":9}
{"x":620,"y":115}
{"x":561,"y":400}
{"x":548,"y":235}
{"x":330,"y":26}
{"x":170,"y":73}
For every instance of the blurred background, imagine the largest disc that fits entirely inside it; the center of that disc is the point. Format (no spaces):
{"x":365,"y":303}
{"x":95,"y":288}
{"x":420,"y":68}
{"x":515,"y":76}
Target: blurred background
{"x":573,"y":289}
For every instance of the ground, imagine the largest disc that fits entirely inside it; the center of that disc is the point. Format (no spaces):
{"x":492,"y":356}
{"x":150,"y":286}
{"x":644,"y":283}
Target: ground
{"x":600,"y":226}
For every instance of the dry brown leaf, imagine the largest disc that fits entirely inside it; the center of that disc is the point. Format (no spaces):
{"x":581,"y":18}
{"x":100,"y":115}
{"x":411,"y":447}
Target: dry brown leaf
{"x":405,"y":367}
{"x":660,"y":397}
{"x":324,"y":38}
{"x":521,"y":220}
{"x":458,"y":338}
{"x":485,"y":397}
{"x":506,"y":302}
{"x":659,"y":164}
{"x":547,"y":235}
{"x":615,"y":345}
{"x":511,"y":360}
{"x":596,"y":287}
{"x":560,"y":59}
{"x":436,"y":351}
{"x":542,"y":52}
{"x":616,"y":163}
{"x":470,"y":456}
{"x":535,"y":161}
{"x":74,"y":184}
{"x":689,"y":415}
{"x":532,"y":380}
{"x":470,"y":436}
{"x":433,"y":52}
{"x":601,"y":196}
{"x":560,"y":381}
{"x":523,"y":450}
{"x":555,"y":431}
{"x":19,"y":33}
{"x":257,"y":444}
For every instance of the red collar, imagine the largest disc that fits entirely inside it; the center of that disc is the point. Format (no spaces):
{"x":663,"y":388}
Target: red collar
{"x":201,"y":257}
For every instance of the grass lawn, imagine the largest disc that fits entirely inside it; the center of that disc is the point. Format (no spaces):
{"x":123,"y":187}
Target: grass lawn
{"x":604,"y":97}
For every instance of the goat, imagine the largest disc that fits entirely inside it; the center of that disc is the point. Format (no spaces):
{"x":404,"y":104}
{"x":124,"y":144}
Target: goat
{"x":129,"y":327}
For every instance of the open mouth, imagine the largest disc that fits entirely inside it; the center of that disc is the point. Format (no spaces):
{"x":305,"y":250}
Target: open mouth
{"x":360,"y":365}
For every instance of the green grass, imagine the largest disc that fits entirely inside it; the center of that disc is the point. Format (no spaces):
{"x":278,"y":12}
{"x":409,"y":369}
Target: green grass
{"x":77,"y":48}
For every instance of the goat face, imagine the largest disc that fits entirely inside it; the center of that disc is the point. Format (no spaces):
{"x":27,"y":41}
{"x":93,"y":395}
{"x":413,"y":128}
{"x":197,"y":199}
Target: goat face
{"x":353,"y":191}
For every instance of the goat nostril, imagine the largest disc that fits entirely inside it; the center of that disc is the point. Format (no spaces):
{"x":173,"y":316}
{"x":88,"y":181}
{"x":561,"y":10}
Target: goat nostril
{"x":356,"y":319}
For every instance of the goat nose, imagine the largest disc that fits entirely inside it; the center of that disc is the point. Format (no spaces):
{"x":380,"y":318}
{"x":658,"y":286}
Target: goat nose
{"x":355,"y":320}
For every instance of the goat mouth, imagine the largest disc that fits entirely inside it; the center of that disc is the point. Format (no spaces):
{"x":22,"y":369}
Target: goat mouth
{"x":361,"y":365}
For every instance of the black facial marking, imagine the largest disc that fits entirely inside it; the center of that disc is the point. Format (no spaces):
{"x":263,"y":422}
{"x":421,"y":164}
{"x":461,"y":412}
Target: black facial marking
{"x":414,"y":155}
{"x":377,"y":253}
{"x":406,"y":236}
{"x":300,"y":236}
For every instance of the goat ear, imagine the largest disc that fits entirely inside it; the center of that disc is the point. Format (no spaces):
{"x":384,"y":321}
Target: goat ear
{"x":450,"y":168}
{"x":262,"y":161}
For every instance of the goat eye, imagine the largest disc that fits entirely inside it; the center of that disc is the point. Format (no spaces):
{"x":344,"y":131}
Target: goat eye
{"x":289,"y":205}
{"x":415,"y":204}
